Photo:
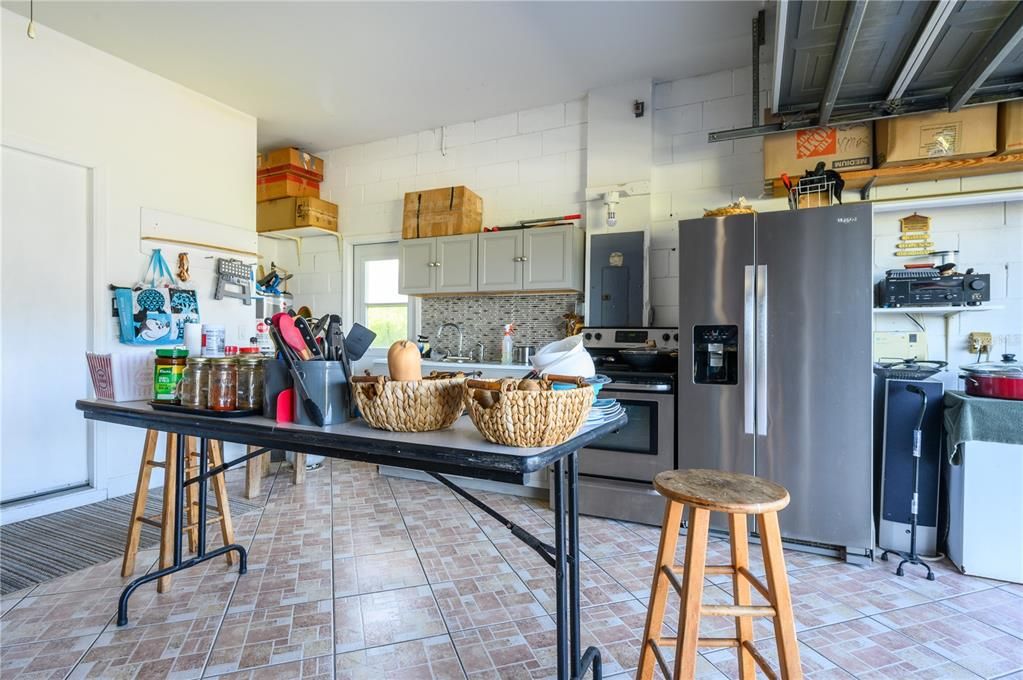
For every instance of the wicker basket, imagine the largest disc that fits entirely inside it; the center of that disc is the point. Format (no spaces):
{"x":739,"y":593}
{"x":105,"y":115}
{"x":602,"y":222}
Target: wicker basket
{"x":409,"y":406}
{"x":520,"y":418}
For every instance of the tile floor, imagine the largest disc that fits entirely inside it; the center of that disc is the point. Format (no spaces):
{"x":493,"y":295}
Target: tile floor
{"x":354,"y":575}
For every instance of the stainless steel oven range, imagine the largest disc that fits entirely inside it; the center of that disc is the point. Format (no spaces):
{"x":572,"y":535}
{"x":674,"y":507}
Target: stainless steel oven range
{"x":615,"y":473}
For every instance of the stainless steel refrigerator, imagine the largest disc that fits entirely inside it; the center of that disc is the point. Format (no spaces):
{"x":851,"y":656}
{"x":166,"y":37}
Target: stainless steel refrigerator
{"x":775,"y":362}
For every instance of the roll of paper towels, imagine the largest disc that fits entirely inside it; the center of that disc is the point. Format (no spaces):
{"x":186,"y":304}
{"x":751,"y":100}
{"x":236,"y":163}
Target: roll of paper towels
{"x":193,"y":339}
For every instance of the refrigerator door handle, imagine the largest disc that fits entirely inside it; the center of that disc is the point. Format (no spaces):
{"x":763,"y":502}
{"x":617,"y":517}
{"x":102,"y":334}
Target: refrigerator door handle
{"x":761,"y":360}
{"x":748,"y":344}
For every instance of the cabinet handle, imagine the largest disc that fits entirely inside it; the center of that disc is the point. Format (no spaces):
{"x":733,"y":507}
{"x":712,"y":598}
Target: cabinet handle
{"x":523,"y":259}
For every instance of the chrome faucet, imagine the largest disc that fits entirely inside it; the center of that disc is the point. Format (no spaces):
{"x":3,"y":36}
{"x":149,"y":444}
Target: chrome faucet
{"x":461,"y":337}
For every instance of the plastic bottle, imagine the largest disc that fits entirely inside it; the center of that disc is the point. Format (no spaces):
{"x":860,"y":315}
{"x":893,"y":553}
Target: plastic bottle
{"x":507,"y":344}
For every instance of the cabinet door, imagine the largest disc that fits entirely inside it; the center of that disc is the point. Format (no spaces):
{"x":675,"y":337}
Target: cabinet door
{"x":499,"y":261}
{"x":417,"y":266}
{"x":457,"y":258}
{"x":550,"y":259}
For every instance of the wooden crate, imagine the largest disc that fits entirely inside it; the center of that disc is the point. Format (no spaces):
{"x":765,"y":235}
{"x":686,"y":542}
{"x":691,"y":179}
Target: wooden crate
{"x":292,"y":212}
{"x":441,"y":212}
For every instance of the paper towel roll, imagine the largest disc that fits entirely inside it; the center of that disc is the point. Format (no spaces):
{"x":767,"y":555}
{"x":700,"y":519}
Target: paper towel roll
{"x":193,"y":339}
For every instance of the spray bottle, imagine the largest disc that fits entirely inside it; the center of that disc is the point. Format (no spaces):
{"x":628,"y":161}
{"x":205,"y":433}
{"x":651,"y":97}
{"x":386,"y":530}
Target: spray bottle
{"x":507,"y":344}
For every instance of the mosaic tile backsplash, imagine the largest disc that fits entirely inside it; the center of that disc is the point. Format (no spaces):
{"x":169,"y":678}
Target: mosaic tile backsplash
{"x":537,"y":318}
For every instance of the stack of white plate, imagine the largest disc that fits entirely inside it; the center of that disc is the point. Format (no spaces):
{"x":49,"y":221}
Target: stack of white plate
{"x":604,"y":410}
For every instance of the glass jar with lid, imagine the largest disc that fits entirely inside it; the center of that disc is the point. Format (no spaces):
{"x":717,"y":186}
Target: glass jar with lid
{"x":223,"y":384}
{"x":250,"y":381}
{"x":195,"y":383}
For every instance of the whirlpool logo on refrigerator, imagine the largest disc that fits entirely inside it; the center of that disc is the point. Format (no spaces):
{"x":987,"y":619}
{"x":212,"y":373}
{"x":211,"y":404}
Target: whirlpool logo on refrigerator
{"x":846,"y":220}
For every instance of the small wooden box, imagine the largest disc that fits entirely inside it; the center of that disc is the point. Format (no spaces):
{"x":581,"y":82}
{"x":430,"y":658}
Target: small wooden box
{"x":292,"y":212}
{"x":441,"y":212}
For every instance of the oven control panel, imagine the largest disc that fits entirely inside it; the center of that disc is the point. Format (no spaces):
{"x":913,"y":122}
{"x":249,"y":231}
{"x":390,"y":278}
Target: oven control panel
{"x":623,"y":338}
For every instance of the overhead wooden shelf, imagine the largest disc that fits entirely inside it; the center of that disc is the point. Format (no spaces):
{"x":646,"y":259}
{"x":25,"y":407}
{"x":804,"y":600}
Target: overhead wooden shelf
{"x":922,"y":172}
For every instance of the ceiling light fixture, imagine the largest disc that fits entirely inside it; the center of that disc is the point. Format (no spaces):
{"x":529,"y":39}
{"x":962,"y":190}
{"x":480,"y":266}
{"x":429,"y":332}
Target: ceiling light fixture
{"x":31,"y":19}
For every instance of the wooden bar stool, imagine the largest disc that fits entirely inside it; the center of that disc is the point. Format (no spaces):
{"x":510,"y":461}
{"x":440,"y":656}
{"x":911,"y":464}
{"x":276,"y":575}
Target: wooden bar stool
{"x":221,"y":508}
{"x":737,"y":495}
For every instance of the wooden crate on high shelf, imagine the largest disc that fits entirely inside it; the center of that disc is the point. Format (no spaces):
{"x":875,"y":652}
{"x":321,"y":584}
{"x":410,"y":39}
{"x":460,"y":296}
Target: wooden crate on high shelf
{"x":441,"y":212}
{"x":291,"y":212}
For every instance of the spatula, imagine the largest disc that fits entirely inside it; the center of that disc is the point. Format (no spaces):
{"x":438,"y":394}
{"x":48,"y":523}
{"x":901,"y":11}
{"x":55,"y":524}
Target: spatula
{"x":357,"y":341}
{"x":293,"y":337}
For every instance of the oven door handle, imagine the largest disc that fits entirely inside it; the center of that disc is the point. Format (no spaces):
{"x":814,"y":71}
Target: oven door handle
{"x":748,"y":344}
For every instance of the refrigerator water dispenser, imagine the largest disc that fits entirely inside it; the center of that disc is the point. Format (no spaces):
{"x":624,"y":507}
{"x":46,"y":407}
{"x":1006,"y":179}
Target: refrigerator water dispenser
{"x":716,"y":355}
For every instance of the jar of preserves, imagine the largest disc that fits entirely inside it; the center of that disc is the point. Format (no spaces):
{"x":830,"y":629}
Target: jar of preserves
{"x":167,"y":370}
{"x":250,"y":381}
{"x":195,"y":383}
{"x":223,"y":384}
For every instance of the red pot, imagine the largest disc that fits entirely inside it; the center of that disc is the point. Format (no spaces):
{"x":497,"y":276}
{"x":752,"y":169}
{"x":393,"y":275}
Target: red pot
{"x":998,"y":379}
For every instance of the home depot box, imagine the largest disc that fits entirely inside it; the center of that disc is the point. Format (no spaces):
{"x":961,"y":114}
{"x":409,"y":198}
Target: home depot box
{"x":282,"y":184}
{"x":967,"y":133}
{"x":441,"y":212}
{"x":291,"y":212}
{"x":291,"y":160}
{"x":1010,"y":127}
{"x":842,"y":147}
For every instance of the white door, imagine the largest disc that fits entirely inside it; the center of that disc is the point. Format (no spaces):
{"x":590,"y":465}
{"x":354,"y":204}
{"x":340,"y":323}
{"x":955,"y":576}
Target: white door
{"x":500,"y":261}
{"x":45,"y":283}
{"x":417,"y":272}
{"x":457,"y":258}
{"x":547,"y":253}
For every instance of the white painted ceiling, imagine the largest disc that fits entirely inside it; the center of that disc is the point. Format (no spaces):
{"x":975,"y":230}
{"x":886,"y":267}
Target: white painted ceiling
{"x":327,"y":74}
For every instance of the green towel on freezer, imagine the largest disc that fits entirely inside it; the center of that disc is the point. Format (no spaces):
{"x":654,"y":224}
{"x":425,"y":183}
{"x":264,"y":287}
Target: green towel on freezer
{"x":979,"y":419}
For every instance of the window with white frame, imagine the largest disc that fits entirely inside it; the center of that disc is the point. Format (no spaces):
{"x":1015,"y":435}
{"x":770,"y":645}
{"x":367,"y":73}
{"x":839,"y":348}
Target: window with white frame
{"x":378,"y":304}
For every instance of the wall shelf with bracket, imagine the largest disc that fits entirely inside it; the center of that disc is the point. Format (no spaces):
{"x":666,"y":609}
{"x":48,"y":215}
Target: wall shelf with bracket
{"x":297,"y":234}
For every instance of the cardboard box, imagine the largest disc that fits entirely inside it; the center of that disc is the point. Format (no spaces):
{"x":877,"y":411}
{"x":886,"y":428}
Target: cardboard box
{"x":291,"y":212}
{"x":1010,"y":127}
{"x":441,"y":212}
{"x":967,"y":133}
{"x":841,"y":148}
{"x":290,"y":159}
{"x":282,"y":184}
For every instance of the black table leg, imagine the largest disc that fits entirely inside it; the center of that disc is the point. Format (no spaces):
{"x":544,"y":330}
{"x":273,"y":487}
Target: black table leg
{"x":570,"y":664}
{"x":565,"y":661}
{"x":179,"y":494}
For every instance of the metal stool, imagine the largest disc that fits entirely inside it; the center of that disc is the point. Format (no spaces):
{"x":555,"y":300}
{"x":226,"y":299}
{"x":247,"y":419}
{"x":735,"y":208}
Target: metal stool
{"x":737,"y":495}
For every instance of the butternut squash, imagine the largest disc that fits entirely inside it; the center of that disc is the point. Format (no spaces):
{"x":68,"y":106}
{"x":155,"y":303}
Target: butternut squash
{"x":404,"y":362}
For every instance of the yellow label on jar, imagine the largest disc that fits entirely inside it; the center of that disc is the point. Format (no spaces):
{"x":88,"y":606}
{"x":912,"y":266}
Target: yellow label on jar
{"x":165,"y":382}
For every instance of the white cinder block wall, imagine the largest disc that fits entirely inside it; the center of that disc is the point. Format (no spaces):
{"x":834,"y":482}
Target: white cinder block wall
{"x":533,"y":162}
{"x":525,"y":164}
{"x":690,"y":174}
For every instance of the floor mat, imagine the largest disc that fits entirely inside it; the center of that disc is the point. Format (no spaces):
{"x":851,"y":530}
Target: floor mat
{"x":43,"y":548}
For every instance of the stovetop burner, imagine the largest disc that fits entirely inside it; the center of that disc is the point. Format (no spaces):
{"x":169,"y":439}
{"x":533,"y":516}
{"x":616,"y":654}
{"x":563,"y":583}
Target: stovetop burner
{"x":605,"y":345}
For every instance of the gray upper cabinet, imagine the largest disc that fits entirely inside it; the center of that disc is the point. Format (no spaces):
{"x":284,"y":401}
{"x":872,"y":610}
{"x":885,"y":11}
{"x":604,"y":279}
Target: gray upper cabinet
{"x":501,"y":261}
{"x":456,"y":264}
{"x":552,"y":258}
{"x":417,"y":270}
{"x":543,"y":258}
